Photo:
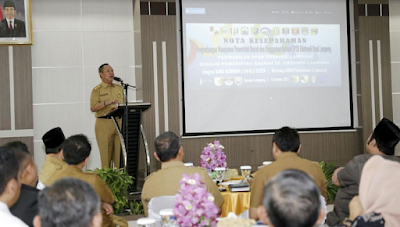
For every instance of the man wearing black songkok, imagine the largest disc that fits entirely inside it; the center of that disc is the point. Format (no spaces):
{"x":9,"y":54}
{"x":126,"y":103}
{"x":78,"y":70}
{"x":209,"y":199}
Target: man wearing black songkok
{"x":382,"y":141}
{"x":54,"y":162}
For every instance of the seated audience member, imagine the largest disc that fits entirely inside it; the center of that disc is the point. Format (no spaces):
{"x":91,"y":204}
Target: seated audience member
{"x":10,"y":187}
{"x":52,"y":140}
{"x":76,"y":151}
{"x":381,"y":142}
{"x":165,"y":181}
{"x":26,"y":206}
{"x":69,"y":202}
{"x":291,"y":199}
{"x":285,"y":149}
{"x":377,"y":204}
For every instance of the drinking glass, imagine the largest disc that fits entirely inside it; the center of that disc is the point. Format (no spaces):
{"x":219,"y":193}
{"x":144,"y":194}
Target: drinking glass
{"x":146,"y":222}
{"x":220,"y":174}
{"x":167,"y":218}
{"x":245,"y":170}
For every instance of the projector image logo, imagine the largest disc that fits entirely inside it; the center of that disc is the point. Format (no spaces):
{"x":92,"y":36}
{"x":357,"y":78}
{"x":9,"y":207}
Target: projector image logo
{"x":294,"y":79}
{"x":314,"y":31}
{"x":314,"y":79}
{"x":265,"y":31}
{"x":214,"y":31}
{"x":276,"y":31}
{"x":295,"y":31}
{"x":218,"y":81}
{"x":304,"y":79}
{"x":229,"y":81}
{"x":238,"y":80}
{"x":304,"y":31}
{"x":285,"y":31}
{"x":254,"y":31}
{"x":244,"y":30}
{"x":224,"y":30}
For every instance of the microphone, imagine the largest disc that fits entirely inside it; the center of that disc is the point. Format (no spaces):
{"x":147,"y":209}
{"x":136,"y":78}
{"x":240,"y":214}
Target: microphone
{"x":117,"y":79}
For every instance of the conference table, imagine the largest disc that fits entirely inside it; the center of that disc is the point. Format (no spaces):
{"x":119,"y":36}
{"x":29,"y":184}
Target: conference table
{"x":236,"y":202}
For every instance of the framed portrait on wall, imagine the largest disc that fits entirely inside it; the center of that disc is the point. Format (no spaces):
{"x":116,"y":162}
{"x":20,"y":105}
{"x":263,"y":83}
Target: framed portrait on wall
{"x":15,"y":22}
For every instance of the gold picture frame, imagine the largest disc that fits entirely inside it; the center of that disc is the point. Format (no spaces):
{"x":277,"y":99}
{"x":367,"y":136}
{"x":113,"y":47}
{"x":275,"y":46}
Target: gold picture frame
{"x":15,"y":22}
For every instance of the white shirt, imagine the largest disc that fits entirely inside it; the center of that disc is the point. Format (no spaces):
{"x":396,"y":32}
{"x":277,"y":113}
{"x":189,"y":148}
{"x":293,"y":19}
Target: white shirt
{"x":7,"y":219}
{"x":12,"y":22}
{"x":40,"y":186}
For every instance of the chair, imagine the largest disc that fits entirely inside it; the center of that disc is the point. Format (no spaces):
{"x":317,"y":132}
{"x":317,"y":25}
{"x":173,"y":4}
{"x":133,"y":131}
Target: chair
{"x":159,"y":203}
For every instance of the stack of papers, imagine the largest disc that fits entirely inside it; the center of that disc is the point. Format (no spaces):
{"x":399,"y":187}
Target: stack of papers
{"x":241,"y":187}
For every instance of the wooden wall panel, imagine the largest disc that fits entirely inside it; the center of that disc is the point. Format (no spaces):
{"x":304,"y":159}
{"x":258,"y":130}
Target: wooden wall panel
{"x":27,"y":140}
{"x":5,"y":115}
{"x":252,"y":150}
{"x":23,"y":87}
{"x":159,"y":29}
{"x":374,"y":28}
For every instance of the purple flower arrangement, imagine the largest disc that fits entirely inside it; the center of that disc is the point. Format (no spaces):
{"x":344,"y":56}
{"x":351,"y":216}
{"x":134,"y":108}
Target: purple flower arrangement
{"x":194,"y":205}
{"x":212,"y":156}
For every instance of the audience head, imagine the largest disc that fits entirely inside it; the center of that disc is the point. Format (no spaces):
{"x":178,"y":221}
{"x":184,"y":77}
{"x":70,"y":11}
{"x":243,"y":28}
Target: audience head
{"x":384,"y":138}
{"x":76,"y":150}
{"x":168,"y":147}
{"x":28,"y":168}
{"x":53,"y":140}
{"x":291,"y":199}
{"x":10,"y":185}
{"x":286,"y":140}
{"x":68,"y":202}
{"x":379,"y":188}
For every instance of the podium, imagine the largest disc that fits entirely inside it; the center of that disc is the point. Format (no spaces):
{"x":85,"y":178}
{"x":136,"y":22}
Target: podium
{"x":130,"y":134}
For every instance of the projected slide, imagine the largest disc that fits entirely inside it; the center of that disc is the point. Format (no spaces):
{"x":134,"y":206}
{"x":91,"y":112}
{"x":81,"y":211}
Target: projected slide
{"x":257,"y":65}
{"x":263,"y":55}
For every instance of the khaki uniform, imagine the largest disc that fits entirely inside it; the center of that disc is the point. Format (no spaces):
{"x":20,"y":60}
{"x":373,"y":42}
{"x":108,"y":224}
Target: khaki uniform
{"x":51,"y":165}
{"x":106,"y":132}
{"x":99,"y":186}
{"x":166,"y":182}
{"x":287,"y":160}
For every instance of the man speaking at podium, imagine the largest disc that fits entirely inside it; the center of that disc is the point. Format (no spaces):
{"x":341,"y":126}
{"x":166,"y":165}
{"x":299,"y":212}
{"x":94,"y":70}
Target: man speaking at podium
{"x":104,"y":99}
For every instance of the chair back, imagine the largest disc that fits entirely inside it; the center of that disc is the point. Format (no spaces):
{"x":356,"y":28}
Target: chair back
{"x":159,"y":203}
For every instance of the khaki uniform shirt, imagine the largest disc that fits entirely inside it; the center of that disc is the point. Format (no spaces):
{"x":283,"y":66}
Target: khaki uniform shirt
{"x":287,"y":160}
{"x":106,"y":92}
{"x":51,"y":165}
{"x":166,"y":182}
{"x":94,"y":180}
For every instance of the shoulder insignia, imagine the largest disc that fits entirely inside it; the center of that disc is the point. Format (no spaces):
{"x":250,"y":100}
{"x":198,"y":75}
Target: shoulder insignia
{"x":97,"y":87}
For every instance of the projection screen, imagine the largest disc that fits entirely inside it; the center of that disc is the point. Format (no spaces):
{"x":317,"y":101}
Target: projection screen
{"x":258,"y":65}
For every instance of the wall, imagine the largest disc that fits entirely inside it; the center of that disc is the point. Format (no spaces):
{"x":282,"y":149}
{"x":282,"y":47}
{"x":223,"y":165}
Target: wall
{"x":71,"y":40}
{"x":16,"y":121}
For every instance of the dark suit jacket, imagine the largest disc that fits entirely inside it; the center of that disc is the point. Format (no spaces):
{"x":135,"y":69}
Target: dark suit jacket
{"x":18,"y":30}
{"x":349,"y":180}
{"x":26,"y":208}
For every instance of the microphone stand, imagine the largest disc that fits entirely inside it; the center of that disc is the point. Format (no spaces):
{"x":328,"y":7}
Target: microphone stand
{"x":125,"y":87}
